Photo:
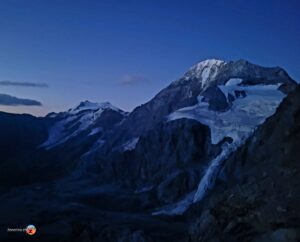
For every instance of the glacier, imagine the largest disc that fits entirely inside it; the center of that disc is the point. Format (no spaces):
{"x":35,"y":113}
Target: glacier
{"x":244,"y":114}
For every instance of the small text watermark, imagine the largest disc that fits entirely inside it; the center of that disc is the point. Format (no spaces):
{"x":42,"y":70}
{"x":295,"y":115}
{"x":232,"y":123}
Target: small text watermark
{"x":30,"y":229}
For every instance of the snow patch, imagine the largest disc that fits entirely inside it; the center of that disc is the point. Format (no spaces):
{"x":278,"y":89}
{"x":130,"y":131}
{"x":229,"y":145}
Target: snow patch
{"x":177,"y":208}
{"x":95,"y":131}
{"x":143,"y":189}
{"x":234,"y":82}
{"x":130,"y":144}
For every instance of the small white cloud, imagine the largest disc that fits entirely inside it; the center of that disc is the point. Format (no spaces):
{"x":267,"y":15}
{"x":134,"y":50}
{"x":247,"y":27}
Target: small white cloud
{"x":131,"y":80}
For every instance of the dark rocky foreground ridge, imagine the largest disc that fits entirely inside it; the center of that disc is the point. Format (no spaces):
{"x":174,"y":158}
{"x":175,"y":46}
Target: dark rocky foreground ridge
{"x":108,"y":174}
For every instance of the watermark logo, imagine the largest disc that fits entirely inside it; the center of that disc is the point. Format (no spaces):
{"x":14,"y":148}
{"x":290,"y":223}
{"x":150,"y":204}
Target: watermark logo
{"x":31,"y":229}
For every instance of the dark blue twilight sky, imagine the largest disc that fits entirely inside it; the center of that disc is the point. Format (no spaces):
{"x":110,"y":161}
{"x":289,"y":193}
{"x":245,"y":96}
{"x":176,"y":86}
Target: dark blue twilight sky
{"x":126,"y":51}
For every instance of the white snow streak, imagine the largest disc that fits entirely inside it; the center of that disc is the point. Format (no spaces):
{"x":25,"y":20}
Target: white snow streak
{"x":130,"y":144}
{"x":177,"y":208}
{"x":208,"y":180}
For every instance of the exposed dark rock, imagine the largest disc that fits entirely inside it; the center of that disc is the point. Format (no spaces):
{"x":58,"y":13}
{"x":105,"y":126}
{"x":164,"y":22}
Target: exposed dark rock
{"x":170,"y":157}
{"x":231,"y":98}
{"x":216,"y":99}
{"x":253,"y":74}
{"x":177,"y":185}
{"x":206,"y":228}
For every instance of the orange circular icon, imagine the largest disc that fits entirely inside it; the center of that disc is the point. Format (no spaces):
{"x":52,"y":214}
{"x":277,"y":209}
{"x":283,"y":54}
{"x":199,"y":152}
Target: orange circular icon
{"x":31,"y":229}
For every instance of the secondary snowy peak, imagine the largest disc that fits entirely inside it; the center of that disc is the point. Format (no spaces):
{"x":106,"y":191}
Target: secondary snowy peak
{"x":87,"y":105}
{"x":85,"y":120}
{"x":205,"y":71}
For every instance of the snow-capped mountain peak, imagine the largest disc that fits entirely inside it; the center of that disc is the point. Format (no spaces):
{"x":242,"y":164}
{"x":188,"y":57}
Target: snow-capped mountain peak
{"x":87,"y":105}
{"x":87,"y":119}
{"x":206,"y":64}
{"x":205,"y":71}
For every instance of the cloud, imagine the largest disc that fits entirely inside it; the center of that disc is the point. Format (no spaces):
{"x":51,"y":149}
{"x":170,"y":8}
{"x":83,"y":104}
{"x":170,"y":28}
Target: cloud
{"x":9,"y":100}
{"x":22,"y":84}
{"x":130,"y":80}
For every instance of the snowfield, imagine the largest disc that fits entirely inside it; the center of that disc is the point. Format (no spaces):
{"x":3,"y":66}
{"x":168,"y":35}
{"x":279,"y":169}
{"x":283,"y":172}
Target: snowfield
{"x":243,"y":116}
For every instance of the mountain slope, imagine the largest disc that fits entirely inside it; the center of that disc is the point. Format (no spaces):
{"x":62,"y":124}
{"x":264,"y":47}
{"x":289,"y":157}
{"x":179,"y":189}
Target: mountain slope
{"x":89,"y":118}
{"x":258,"y":194}
{"x":20,"y":135}
{"x":38,"y":149}
{"x":232,"y":99}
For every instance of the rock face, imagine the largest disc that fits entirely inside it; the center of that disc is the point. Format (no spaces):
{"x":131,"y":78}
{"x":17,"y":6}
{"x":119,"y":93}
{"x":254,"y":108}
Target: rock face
{"x":168,"y":159}
{"x":258,"y":193}
{"x":216,"y":99}
{"x":252,"y":74}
